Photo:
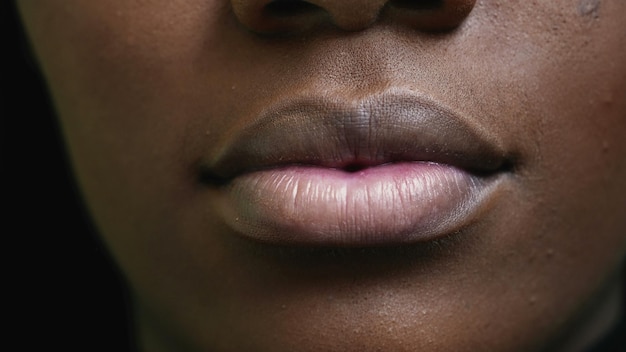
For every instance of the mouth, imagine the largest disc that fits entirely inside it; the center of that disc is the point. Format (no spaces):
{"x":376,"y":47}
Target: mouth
{"x":389,"y":169}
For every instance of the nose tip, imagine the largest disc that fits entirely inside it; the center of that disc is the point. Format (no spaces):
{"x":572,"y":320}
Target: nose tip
{"x":283,"y":16}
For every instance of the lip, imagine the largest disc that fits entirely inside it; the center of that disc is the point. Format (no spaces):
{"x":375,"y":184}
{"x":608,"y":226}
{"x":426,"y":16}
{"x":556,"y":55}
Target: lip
{"x":386,"y":169}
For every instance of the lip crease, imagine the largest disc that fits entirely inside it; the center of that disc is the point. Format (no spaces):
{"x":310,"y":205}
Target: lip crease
{"x":388,"y":169}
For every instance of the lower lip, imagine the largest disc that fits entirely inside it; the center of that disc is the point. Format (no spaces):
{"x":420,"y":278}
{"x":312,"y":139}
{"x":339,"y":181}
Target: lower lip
{"x":390,"y":204}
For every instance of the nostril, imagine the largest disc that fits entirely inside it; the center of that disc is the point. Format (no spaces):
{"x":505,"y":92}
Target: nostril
{"x":431,"y":15}
{"x":287,"y":8}
{"x":279,"y":17}
{"x":418,"y":4}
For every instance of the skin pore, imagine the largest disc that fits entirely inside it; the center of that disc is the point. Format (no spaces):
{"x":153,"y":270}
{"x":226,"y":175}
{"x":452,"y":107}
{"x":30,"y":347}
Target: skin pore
{"x":151,"y":93}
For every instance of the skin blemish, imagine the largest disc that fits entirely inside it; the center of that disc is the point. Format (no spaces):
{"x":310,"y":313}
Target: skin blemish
{"x":589,"y":8}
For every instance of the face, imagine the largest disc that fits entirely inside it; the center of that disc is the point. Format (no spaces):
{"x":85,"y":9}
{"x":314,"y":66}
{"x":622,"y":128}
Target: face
{"x":349,"y":176}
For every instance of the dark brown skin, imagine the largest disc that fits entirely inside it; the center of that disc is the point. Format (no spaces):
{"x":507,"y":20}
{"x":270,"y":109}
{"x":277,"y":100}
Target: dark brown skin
{"x":145,"y":89}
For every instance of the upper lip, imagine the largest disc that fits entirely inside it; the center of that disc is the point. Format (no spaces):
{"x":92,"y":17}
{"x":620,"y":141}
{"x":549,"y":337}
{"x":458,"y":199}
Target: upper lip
{"x":392,"y":126}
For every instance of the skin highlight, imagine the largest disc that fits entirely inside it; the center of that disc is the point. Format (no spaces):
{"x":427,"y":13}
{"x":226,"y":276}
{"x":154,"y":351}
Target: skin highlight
{"x":145,"y":91}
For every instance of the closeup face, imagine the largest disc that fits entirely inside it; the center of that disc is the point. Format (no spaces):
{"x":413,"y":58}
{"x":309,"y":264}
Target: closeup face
{"x":354,"y":175}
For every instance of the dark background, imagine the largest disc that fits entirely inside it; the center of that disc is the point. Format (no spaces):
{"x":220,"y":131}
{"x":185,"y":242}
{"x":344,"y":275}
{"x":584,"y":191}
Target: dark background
{"x":63,"y":289}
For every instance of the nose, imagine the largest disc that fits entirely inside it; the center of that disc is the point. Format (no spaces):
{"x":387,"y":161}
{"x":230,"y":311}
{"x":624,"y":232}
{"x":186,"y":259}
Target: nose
{"x":284,"y":16}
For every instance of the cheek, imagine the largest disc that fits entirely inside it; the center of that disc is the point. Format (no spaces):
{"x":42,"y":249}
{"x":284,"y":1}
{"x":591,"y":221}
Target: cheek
{"x":118,"y":73}
{"x":564,"y":99}
{"x":576,"y":106}
{"x":117,"y":82}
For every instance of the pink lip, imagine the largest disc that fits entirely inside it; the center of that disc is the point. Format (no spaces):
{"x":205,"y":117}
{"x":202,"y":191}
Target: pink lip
{"x":389,"y":169}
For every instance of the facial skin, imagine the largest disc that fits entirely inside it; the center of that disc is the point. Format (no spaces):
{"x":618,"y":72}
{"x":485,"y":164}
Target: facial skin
{"x":146,"y":91}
